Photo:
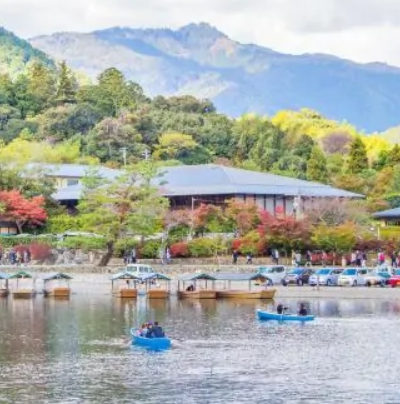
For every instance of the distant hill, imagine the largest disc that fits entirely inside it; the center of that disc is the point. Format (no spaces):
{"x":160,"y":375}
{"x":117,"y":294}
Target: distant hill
{"x":198,"y":59}
{"x":16,"y":54}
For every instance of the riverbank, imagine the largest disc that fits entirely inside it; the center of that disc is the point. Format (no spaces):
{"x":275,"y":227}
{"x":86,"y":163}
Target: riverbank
{"x":89,"y":283}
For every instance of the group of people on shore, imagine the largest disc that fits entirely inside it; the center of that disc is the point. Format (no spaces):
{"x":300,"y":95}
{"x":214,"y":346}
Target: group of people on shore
{"x":150,"y":330}
{"x":13,"y":257}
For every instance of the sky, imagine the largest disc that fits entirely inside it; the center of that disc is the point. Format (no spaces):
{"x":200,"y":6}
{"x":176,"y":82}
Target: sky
{"x":361,"y":30}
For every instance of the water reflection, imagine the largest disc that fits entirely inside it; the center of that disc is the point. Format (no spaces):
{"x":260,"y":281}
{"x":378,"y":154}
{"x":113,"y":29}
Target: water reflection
{"x":78,"y":350}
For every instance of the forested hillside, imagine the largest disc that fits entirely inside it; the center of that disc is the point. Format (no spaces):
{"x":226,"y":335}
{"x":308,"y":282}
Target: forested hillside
{"x":16,"y":54}
{"x":202,"y":61}
{"x":46,"y":116}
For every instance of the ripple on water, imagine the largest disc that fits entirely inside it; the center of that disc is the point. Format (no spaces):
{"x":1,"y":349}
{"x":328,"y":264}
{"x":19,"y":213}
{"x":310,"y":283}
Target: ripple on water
{"x":222,"y":354}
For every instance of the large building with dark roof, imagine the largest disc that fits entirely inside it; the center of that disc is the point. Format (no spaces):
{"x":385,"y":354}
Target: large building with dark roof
{"x":188,"y":186}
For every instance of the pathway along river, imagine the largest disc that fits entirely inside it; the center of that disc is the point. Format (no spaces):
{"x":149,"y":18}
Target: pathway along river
{"x":77,"y":351}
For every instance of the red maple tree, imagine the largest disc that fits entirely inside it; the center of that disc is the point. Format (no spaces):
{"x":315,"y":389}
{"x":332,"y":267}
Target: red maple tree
{"x":20,"y":210}
{"x":286,"y":232}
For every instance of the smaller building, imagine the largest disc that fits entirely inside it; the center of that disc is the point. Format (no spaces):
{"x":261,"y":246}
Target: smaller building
{"x":388,"y":217}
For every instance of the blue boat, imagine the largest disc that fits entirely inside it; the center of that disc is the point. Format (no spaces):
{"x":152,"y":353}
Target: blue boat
{"x":265,"y":315}
{"x":156,"y":344}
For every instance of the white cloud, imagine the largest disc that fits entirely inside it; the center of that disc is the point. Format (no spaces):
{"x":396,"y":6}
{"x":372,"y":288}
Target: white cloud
{"x":363,"y":30}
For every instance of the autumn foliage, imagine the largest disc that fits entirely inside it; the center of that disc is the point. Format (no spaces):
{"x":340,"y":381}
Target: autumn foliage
{"x":23,"y":211}
{"x":285,"y":232}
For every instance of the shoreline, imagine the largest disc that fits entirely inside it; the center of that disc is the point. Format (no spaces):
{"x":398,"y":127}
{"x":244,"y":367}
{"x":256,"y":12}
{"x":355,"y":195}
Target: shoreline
{"x":95,"y":284}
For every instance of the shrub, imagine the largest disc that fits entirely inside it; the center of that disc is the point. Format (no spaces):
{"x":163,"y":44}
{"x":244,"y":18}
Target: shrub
{"x":124,"y":245}
{"x":180,"y":250}
{"x":39,"y":251}
{"x":64,"y":222}
{"x":252,"y":243}
{"x":11,"y":241}
{"x":84,"y":243}
{"x":150,"y":249}
{"x":203,"y":247}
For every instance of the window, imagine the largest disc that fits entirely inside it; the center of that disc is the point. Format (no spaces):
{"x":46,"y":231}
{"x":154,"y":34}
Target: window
{"x":72,"y":181}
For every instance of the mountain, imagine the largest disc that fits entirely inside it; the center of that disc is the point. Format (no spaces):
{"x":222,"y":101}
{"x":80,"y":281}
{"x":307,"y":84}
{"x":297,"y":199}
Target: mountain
{"x":200,"y":60}
{"x":16,"y":54}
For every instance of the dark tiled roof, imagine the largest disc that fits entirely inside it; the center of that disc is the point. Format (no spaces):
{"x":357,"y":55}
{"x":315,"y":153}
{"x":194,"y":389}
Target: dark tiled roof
{"x":390,"y":214}
{"x":211,"y":179}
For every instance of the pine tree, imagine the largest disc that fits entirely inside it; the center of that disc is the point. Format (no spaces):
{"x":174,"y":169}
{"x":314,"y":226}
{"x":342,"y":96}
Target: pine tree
{"x":66,"y":88}
{"x":317,"y":166}
{"x":358,"y":159}
{"x":393,"y":156}
{"x":41,"y":86}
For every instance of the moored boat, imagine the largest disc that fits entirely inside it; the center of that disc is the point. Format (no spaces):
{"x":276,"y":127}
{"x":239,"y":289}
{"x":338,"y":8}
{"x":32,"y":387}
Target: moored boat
{"x":198,"y":288}
{"x":158,"y":286}
{"x":4,"y":290}
{"x":125,"y":292}
{"x":25,"y":292}
{"x":156,"y":344}
{"x":265,"y":315}
{"x":241,"y":279}
{"x":198,"y":294}
{"x":246,"y":294}
{"x":59,"y":291}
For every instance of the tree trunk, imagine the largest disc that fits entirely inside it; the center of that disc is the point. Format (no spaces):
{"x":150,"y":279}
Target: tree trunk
{"x":19,"y":226}
{"x":105,"y":259}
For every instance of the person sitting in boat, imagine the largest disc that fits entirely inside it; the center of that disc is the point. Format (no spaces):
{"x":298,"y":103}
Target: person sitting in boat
{"x":143,"y":330}
{"x":303,"y":310}
{"x":190,"y":288}
{"x":280,"y":309}
{"x":149,"y":333}
{"x":158,"y":331}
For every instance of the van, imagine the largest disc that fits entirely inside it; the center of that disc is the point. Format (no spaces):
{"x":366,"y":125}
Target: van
{"x":140,"y":269}
{"x":273,"y":273}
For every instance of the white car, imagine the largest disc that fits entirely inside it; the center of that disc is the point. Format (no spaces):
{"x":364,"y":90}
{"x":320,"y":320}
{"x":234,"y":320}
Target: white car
{"x":353,"y":277}
{"x":273,"y":274}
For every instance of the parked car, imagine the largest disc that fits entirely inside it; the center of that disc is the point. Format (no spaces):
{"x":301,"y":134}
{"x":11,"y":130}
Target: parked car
{"x":297,"y":276}
{"x":375,"y":277}
{"x":394,"y":280}
{"x":327,"y":277}
{"x":273,"y":273}
{"x":353,"y":277}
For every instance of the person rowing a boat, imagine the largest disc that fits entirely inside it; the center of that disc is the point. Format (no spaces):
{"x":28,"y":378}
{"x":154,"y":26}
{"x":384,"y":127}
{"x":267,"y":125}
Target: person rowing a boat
{"x":280,"y":309}
{"x":303,"y":310}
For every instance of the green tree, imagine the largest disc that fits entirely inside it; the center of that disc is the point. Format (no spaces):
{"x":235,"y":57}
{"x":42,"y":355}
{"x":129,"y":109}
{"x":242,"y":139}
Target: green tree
{"x":304,"y":147}
{"x":127,"y":205}
{"x":358,"y":159}
{"x":339,"y":239}
{"x":393,"y":156}
{"x":66,"y":86}
{"x":178,"y":146}
{"x":41,"y":86}
{"x":317,"y":166}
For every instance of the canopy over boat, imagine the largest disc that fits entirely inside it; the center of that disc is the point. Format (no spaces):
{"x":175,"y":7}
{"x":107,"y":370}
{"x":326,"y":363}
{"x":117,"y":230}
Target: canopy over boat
{"x":21,"y":275}
{"x":125,"y":275}
{"x":265,"y":315}
{"x":57,"y":276}
{"x":156,"y":276}
{"x":197,"y":277}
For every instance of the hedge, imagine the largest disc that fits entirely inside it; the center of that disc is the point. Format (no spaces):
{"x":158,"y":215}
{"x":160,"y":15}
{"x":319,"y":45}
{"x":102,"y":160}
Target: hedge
{"x":84,"y":243}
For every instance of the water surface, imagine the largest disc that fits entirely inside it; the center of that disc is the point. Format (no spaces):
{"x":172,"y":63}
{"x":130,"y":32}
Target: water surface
{"x":78,"y":351}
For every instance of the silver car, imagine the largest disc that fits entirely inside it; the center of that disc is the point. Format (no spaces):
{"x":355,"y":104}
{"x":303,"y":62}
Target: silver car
{"x":327,"y":277}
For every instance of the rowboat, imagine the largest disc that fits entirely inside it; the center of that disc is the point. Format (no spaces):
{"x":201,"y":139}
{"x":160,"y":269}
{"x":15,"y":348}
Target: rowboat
{"x":246,"y":294}
{"x":265,"y":315}
{"x":156,"y":344}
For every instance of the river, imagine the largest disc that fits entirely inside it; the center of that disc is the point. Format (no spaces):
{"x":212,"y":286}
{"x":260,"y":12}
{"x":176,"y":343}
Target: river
{"x":78,"y":351}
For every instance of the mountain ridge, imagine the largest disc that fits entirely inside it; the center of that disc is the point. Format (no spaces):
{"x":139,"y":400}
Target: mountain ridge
{"x":239,"y":78}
